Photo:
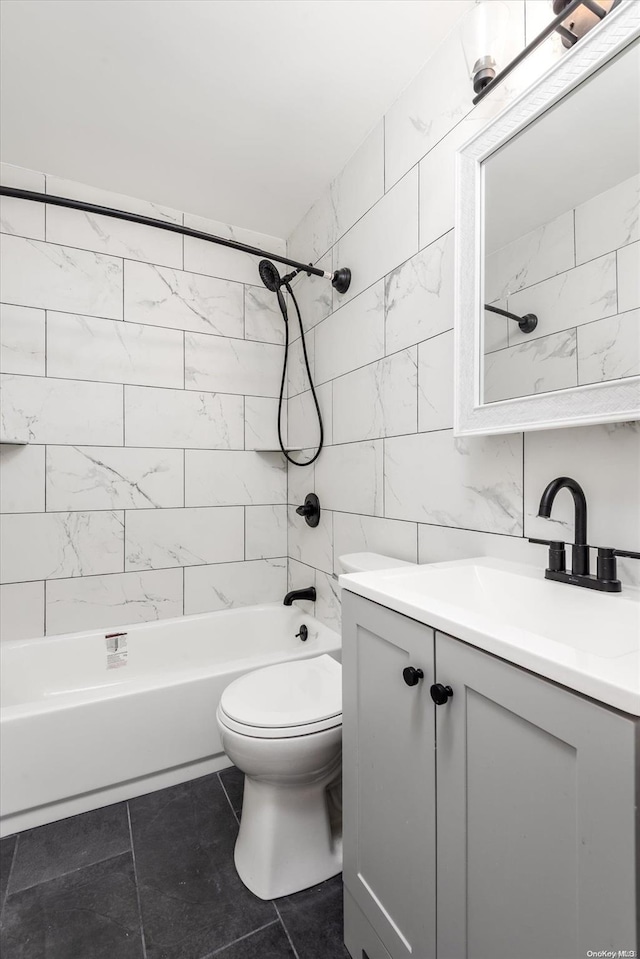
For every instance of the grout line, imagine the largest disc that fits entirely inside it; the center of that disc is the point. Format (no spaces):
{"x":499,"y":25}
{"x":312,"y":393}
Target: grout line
{"x":135,"y":878}
{"x":286,"y":931}
{"x":247,"y":935}
{"x":224,"y":789}
{"x":13,"y":859}
{"x":69,"y":872}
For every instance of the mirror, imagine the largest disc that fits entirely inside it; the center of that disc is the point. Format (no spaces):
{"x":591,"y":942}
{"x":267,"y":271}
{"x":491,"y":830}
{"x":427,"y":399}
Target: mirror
{"x":548,"y":320}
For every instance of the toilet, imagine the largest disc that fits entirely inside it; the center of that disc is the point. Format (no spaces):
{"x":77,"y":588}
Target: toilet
{"x":282,"y":727}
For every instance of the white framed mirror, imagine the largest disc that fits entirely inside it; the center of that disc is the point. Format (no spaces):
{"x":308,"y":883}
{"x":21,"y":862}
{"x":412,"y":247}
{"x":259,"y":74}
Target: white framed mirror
{"x":547,"y":326}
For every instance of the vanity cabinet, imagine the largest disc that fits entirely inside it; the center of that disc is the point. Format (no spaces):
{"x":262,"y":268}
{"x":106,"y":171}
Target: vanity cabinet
{"x":533,"y":789}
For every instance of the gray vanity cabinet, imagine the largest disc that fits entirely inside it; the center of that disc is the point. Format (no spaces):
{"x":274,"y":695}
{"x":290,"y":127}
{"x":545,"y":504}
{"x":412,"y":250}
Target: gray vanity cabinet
{"x":537,"y":836}
{"x":388,"y":779}
{"x":536,"y":812}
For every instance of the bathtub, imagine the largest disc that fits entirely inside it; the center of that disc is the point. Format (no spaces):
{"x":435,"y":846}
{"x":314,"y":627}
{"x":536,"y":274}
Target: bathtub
{"x":92,"y":718}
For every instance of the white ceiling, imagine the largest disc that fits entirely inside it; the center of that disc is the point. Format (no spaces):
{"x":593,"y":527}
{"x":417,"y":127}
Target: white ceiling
{"x":240,"y":110}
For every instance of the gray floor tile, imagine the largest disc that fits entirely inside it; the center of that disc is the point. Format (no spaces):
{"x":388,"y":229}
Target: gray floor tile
{"x":191,"y":897}
{"x":7,"y":848}
{"x":91,"y":913}
{"x":269,"y":943}
{"x":60,"y":847}
{"x":233,"y":782}
{"x":314,"y":920}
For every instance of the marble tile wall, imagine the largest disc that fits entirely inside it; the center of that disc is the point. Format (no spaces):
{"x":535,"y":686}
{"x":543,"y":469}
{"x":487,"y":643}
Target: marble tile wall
{"x":143,"y":372}
{"x":579,"y":275}
{"x":393,"y":479}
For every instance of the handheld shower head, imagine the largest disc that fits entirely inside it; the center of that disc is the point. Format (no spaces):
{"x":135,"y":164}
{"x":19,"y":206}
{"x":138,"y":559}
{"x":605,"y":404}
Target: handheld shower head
{"x":269,"y":275}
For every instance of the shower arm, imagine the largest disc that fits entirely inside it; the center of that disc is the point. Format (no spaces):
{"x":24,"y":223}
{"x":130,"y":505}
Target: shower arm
{"x":340,"y":279}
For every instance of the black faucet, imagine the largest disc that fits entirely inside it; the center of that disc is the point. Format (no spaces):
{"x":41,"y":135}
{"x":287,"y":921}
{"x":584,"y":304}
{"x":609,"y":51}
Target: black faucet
{"x":308,"y":593}
{"x":605,"y":580}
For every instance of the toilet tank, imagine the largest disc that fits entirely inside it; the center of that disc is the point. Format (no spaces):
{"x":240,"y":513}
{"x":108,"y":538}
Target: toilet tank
{"x":366,"y":562}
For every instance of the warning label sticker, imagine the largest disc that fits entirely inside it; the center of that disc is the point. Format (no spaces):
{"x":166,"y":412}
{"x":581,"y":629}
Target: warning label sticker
{"x":117,"y":651}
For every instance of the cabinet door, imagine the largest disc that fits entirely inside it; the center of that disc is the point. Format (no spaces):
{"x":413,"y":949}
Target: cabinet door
{"x":537,"y":830}
{"x":389,"y":776}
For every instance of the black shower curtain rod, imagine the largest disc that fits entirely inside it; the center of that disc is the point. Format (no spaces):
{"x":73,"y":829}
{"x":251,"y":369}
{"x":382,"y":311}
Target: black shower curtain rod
{"x":160,"y":224}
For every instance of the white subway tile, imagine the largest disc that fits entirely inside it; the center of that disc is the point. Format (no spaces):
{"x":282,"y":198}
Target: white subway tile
{"x":314,"y":298}
{"x":183,"y":537}
{"x":361,"y":183}
{"x":316,"y":232}
{"x":373,"y":534}
{"x":609,"y":349}
{"x":261,"y":423}
{"x":328,"y":605}
{"x":227,"y":585}
{"x":232,"y":366}
{"x":182,"y":301}
{"x":473,"y":483}
{"x":537,"y":366}
{"x":312,"y":545}
{"x":56,"y":545}
{"x":221,"y":478}
{"x":93,"y":477}
{"x":568,"y":300}
{"x":22,"y":340}
{"x":629,"y":277}
{"x":605,"y":460}
{"x":109,"y":601}
{"x":21,"y":479}
{"x":536,"y":256}
{"x":435,"y":383}
{"x":110,"y":235}
{"x":302,"y":419}
{"x":21,"y":217}
{"x":262,"y":317}
{"x":608,"y":221}
{"x":419,"y":296}
{"x":385,"y":237}
{"x":378,"y":400}
{"x":60,"y":278}
{"x":265,"y":531}
{"x":202,"y":256}
{"x":61,"y":411}
{"x":95,"y":349}
{"x":181,"y":418}
{"x":21,"y":611}
{"x":441,"y":544}
{"x":349,"y":477}
{"x":352,"y":336}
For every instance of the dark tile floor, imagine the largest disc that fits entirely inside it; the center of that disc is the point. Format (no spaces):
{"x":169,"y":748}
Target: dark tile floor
{"x":154,"y":877}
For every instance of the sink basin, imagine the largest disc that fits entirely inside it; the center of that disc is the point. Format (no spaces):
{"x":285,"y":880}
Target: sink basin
{"x":587,"y":640}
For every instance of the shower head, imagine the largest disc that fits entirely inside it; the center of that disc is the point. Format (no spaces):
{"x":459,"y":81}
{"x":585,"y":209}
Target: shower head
{"x":269,"y":275}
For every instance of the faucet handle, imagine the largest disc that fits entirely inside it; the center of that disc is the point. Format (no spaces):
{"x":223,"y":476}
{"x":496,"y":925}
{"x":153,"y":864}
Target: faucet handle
{"x":557,"y":554}
{"x":607,"y":561}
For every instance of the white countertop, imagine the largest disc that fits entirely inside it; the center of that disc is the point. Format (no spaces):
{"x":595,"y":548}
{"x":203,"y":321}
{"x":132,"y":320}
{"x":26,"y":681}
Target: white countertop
{"x":586,"y":640}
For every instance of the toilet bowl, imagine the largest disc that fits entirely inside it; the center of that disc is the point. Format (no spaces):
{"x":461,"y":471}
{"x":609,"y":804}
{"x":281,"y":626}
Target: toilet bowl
{"x":282,"y":727}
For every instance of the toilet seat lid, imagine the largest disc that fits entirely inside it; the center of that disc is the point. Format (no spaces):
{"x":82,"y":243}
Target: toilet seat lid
{"x":298,"y":693}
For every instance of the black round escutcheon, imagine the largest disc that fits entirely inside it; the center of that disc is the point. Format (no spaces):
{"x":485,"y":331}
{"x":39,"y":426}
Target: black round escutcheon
{"x":412,"y":676}
{"x":440,"y":694}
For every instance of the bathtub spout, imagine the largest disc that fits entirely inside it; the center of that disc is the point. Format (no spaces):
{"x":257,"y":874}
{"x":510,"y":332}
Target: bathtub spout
{"x":309,"y":593}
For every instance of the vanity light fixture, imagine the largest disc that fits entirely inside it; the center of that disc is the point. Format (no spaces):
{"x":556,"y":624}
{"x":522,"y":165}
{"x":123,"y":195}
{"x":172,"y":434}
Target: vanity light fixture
{"x":483,"y":34}
{"x":574,"y":18}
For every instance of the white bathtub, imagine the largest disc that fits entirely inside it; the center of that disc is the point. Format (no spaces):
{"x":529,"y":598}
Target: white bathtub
{"x":84,"y":724}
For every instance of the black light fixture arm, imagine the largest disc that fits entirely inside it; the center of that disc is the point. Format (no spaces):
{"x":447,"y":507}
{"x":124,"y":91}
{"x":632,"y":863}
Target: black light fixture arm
{"x":527,"y":323}
{"x":338,"y":278}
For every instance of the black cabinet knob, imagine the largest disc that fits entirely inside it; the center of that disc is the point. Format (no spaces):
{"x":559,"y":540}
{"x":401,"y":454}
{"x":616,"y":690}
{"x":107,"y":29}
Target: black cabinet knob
{"x":412,"y":676}
{"x":440,"y":694}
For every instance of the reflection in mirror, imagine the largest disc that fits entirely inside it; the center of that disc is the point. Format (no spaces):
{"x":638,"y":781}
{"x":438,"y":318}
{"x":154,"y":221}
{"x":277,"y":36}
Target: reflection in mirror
{"x":562,"y":242}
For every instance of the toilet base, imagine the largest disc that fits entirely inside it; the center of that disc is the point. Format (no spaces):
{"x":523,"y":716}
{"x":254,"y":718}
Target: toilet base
{"x":289,"y":837}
